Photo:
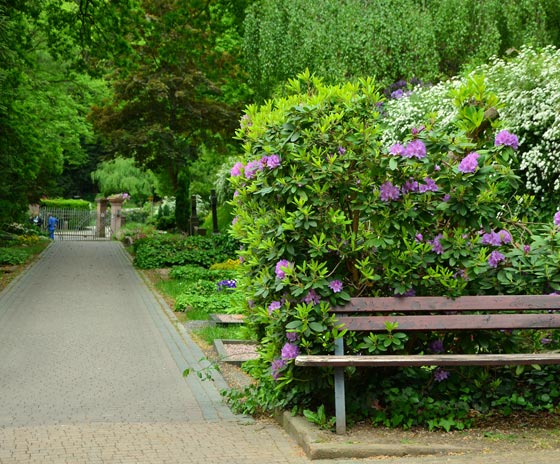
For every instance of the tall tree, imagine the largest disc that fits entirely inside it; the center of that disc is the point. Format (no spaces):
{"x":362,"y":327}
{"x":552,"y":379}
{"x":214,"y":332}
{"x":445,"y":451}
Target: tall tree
{"x":173,"y":92}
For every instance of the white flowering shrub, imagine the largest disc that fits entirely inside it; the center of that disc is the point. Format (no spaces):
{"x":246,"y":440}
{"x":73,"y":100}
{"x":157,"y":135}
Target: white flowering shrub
{"x":528,"y":90}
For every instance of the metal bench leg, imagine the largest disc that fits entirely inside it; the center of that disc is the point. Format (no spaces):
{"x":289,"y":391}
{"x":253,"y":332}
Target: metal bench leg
{"x":339,"y":394}
{"x":339,"y":400}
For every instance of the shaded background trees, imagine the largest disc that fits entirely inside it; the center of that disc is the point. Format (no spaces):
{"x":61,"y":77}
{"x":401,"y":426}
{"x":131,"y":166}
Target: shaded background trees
{"x":168,"y":79}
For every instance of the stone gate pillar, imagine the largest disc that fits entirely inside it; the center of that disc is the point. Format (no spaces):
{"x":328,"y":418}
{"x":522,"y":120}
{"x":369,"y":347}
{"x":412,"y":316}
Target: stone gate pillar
{"x":116,"y":202}
{"x":100,"y":219}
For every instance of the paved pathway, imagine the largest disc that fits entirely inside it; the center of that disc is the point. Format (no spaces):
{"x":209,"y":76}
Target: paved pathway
{"x":91,"y":372}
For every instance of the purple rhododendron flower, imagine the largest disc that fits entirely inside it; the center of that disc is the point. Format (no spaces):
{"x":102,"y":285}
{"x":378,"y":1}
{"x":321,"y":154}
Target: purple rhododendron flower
{"x":274,"y":306}
{"x":336,"y":286}
{"x":410,"y":186}
{"x":526,"y":249}
{"x":281,"y":267}
{"x":429,"y":185}
{"x":507,"y":139}
{"x":341,"y":150}
{"x":496,"y":238}
{"x":440,"y":375}
{"x":276,"y":366}
{"x":237,"y":169}
{"x":289,"y":351}
{"x":252,"y":168}
{"x":446,"y":198}
{"x":437,"y":248}
{"x":273,"y":161}
{"x":436,"y":346}
{"x":312,"y":297}
{"x":292,"y":336}
{"x":415,"y":149}
{"x":389,"y":192}
{"x":495,"y":258}
{"x":419,"y":237}
{"x":396,"y":149}
{"x":469,"y":163}
{"x":557,"y":218}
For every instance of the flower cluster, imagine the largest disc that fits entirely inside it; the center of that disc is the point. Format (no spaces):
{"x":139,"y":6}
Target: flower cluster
{"x":496,"y":238}
{"x":225,"y":284}
{"x":252,"y":167}
{"x":414,"y":149}
{"x":507,"y":139}
{"x":469,"y":163}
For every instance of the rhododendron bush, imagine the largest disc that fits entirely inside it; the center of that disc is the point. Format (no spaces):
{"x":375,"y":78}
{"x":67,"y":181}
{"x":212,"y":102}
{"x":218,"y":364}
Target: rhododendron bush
{"x":326,"y":211}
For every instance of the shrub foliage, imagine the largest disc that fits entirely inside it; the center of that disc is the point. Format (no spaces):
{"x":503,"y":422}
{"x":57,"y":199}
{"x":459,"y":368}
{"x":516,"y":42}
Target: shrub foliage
{"x":327,"y":210}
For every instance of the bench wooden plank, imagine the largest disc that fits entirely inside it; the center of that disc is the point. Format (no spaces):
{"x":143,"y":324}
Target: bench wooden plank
{"x":444,"y":304}
{"x":452,"y":322}
{"x":429,"y":360}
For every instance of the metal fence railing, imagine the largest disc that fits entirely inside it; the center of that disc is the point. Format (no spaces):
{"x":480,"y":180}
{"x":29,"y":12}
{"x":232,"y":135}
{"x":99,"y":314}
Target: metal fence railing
{"x":76,"y":224}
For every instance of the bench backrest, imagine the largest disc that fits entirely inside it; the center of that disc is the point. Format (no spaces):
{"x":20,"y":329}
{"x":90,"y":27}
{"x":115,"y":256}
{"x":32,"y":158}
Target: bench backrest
{"x":502,"y":312}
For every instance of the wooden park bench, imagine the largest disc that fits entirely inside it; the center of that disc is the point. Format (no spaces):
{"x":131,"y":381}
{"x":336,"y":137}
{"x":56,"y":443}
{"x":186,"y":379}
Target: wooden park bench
{"x":439,"y":314}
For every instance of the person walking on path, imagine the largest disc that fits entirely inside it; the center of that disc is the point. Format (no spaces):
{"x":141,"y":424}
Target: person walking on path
{"x":51,"y":225}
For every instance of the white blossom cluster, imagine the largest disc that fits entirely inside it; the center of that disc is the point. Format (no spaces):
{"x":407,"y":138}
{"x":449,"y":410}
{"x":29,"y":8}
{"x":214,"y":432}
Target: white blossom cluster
{"x":529,"y":89}
{"x":403,"y":114}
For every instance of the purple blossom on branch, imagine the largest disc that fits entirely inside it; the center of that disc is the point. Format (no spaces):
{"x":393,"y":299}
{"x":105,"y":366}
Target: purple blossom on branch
{"x":557,"y":218}
{"x":495,"y":258}
{"x":276,"y":366}
{"x":410,"y":185}
{"x":429,"y":185}
{"x":273,"y":161}
{"x":440,"y":375}
{"x":469,"y":163}
{"x":396,"y":149}
{"x":282,"y":266}
{"x":336,"y":286}
{"x":507,"y":139}
{"x":437,"y":248}
{"x":274,"y":306}
{"x":289,"y":351}
{"x":237,"y":169}
{"x":415,"y":149}
{"x":389,"y":192}
{"x":292,"y":336}
{"x":252,"y":168}
{"x":436,"y":346}
{"x":312,"y":297}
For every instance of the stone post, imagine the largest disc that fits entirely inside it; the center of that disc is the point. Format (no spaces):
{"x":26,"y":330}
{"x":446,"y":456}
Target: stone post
{"x":116,"y":213}
{"x":100,"y":220}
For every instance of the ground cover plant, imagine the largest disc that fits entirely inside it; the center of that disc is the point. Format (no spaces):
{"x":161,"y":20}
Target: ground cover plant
{"x":326,"y":209}
{"x":200,"y":292}
{"x":19,"y":244}
{"x":167,"y":250}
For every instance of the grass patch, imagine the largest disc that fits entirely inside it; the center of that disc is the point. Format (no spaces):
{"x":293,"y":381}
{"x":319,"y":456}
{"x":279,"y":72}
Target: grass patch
{"x":172,"y":288}
{"x":211,"y":333}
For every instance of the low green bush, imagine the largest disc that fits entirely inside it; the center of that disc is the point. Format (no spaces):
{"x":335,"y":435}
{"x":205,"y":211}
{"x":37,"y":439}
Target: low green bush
{"x":13,"y":256}
{"x":159,"y":251}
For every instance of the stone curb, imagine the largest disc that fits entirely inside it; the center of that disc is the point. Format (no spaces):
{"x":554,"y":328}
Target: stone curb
{"x":315,"y":443}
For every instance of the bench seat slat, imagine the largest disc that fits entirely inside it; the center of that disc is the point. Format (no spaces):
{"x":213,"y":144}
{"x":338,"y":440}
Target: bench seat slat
{"x":464,"y":303}
{"x":429,"y":360}
{"x":452,"y":322}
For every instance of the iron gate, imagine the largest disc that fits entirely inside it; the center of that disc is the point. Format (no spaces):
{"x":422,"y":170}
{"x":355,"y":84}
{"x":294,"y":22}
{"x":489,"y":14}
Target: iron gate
{"x":76,"y":224}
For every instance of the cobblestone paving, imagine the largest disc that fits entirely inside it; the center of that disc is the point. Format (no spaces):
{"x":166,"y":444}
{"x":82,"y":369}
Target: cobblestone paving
{"x":91,"y":372}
